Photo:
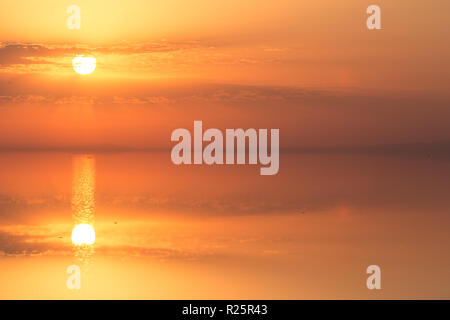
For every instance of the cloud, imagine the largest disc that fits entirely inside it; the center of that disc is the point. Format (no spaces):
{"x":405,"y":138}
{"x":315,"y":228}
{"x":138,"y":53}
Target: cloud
{"x":22,"y":54}
{"x":141,"y":115}
{"x":26,"y":54}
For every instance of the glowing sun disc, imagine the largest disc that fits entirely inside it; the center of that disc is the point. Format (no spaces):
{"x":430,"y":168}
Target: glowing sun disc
{"x":83,"y":234}
{"x":84,"y":65}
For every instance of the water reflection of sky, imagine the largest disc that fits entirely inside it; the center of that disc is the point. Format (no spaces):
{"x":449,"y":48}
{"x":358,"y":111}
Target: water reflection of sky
{"x":308,"y":232}
{"x":83,"y":201}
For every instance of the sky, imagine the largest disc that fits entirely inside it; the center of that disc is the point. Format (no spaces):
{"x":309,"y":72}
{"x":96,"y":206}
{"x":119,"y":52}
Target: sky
{"x":364,"y":135}
{"x":312,"y":69}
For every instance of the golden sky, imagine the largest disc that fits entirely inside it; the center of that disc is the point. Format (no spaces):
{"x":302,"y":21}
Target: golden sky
{"x":364,"y":128}
{"x":311,"y":69}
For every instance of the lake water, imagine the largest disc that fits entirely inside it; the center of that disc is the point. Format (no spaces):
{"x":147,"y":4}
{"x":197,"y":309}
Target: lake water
{"x":225,"y":232}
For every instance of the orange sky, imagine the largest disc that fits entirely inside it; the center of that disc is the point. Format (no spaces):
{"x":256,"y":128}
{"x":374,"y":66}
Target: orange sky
{"x":364,"y":132}
{"x":311,"y":69}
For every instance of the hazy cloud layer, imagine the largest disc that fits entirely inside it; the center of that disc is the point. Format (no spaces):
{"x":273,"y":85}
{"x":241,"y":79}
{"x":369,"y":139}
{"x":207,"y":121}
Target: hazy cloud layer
{"x":142,"y":116}
{"x":24,"y":53}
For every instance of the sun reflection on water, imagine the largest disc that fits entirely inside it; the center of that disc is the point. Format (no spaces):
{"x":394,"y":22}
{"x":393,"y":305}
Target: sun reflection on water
{"x":83,"y":206}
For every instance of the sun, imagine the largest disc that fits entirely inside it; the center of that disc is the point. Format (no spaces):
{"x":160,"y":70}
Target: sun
{"x":84,"y":65}
{"x":83,"y":234}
